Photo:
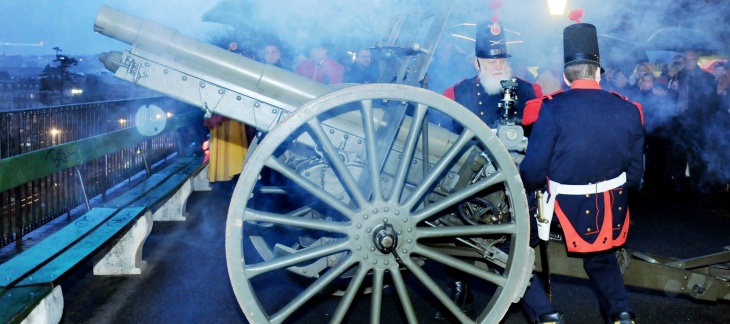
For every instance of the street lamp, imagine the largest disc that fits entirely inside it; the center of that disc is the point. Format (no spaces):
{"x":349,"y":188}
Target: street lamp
{"x":54,"y":136}
{"x":557,"y":7}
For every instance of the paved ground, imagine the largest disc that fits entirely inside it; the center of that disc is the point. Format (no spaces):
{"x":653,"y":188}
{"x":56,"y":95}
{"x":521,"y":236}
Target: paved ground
{"x":187,"y":282}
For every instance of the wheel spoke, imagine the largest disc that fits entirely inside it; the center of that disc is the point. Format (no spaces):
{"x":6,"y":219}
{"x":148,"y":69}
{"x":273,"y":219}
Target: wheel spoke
{"x":439,"y":169}
{"x":470,"y":230}
{"x":458,"y":196}
{"x":372,"y":152}
{"x":313,"y":289}
{"x":303,"y":222}
{"x":324,"y":196}
{"x":408,"y":150}
{"x":461,"y":265}
{"x":352,"y":289}
{"x":304,"y":255}
{"x":330,"y":210}
{"x":377,"y":295}
{"x":405,"y":300}
{"x":433,"y":287}
{"x":343,"y":173}
{"x":301,"y":211}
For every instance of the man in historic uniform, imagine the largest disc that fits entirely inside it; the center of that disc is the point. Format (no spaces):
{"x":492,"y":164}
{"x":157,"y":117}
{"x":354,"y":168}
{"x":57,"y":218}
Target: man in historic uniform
{"x":482,"y":93}
{"x":586,"y":148}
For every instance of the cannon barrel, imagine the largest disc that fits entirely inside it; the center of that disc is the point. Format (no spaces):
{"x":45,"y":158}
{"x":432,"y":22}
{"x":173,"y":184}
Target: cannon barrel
{"x":222,"y":82}
{"x":166,"y":42}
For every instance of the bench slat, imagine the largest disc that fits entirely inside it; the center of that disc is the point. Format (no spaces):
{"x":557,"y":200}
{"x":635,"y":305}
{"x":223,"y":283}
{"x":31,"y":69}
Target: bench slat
{"x":148,"y":184}
{"x":55,"y":270}
{"x":15,"y":268}
{"x":23,"y":168}
{"x":176,"y":181}
{"x":19,"y":302}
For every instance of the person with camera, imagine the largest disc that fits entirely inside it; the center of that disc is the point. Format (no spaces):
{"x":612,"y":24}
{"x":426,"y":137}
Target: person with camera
{"x":482,"y":95}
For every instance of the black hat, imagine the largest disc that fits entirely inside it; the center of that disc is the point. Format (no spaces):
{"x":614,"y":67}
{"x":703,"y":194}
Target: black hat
{"x":580,"y":44}
{"x":490,"y":42}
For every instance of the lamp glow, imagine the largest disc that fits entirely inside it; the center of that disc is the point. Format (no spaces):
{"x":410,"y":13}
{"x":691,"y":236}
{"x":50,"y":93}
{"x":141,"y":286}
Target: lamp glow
{"x":557,"y":7}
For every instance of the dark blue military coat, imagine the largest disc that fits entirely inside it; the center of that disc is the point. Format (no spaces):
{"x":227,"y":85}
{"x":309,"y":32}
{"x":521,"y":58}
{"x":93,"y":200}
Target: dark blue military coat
{"x":470,"y":94}
{"x":584,"y":136}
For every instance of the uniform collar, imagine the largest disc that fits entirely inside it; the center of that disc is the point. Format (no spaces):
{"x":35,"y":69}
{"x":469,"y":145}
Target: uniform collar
{"x":585,"y":84}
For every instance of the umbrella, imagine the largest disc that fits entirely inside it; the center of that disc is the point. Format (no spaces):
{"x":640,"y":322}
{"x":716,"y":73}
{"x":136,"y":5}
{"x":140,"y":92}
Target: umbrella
{"x":225,"y":12}
{"x":709,"y":66}
{"x":617,"y":52}
{"x":681,"y":39}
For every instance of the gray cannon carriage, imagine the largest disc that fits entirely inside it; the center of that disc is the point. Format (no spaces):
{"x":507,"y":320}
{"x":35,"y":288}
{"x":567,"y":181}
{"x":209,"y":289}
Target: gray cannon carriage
{"x":349,"y":199}
{"x":348,"y":191}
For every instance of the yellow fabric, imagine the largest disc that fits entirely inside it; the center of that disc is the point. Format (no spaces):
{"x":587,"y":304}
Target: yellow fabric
{"x":228,"y":147}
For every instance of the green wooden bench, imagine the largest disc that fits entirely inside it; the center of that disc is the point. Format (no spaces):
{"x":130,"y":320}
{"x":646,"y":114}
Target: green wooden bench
{"x":111,"y":235}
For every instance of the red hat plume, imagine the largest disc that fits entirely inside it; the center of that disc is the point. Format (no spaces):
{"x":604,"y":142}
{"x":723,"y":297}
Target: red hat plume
{"x":576,"y":14}
{"x":495,"y":5}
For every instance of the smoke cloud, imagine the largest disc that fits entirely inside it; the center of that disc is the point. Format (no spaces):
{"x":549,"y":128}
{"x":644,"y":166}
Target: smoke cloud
{"x":353,"y":23}
{"x":629,"y":32}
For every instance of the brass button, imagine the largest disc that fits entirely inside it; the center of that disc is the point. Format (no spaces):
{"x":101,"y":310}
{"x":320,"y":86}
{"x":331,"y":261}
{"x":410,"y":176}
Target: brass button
{"x":618,"y":225}
{"x":620,"y":208}
{"x":588,"y":230}
{"x":481,"y":113}
{"x":480,"y":103}
{"x":479,"y":93}
{"x":588,"y":212}
{"x":620,"y":192}
{"x":588,"y":195}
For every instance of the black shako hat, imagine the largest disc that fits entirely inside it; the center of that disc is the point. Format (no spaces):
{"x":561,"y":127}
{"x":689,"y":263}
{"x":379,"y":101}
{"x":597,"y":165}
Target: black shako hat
{"x":490,"y":42}
{"x":580,"y":44}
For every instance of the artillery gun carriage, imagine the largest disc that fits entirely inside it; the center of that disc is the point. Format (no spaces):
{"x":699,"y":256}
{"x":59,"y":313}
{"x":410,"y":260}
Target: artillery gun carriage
{"x":348,"y":190}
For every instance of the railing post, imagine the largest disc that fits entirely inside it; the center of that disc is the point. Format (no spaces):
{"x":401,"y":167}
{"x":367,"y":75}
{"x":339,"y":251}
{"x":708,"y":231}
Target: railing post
{"x":18,"y":226}
{"x":180,"y":145}
{"x":106,"y":178}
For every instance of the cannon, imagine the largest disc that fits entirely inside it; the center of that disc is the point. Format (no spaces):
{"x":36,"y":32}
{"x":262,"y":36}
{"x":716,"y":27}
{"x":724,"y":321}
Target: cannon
{"x":350,"y":195}
{"x":367,"y":195}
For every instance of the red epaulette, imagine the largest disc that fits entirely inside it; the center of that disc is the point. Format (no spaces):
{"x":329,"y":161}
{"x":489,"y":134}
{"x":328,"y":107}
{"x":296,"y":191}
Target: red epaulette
{"x":532,"y":108}
{"x":637,"y":104}
{"x":620,"y":95}
{"x":450,"y":92}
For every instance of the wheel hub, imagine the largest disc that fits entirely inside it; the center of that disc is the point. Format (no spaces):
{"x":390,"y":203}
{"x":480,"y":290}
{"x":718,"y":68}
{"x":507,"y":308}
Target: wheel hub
{"x":384,"y":238}
{"x":380,"y":234}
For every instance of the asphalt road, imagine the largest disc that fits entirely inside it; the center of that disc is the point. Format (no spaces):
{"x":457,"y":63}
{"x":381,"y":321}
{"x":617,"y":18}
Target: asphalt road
{"x":186,"y":280}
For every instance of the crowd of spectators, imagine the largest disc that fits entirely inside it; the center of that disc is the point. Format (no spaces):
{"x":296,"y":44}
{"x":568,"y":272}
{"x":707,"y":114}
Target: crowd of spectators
{"x":316,"y":62}
{"x":686,"y":109}
{"x":686,"y":117}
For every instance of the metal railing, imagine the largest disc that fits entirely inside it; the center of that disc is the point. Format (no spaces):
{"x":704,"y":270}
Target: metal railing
{"x":35,"y":203}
